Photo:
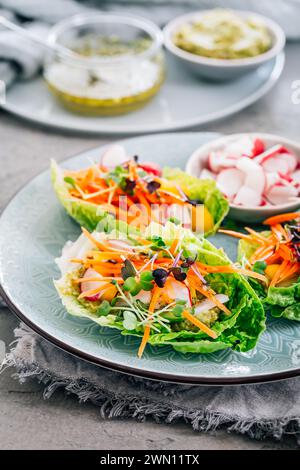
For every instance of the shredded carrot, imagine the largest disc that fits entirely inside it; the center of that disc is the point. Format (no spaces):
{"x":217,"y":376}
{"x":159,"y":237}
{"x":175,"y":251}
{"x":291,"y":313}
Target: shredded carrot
{"x":144,"y":341}
{"x":278,"y":219}
{"x":97,"y":243}
{"x":234,"y":234}
{"x":257,"y":236}
{"x":174,"y":245}
{"x":96,"y":279}
{"x":279,"y":272}
{"x":143,"y":201}
{"x":230,"y":270}
{"x":279,"y":229}
{"x":289,"y":272}
{"x":199,"y":324}
{"x":262,"y":253}
{"x":194,"y":281}
{"x":285,"y":252}
{"x":154,"y":299}
{"x":97,"y":290}
{"x":107,"y":255}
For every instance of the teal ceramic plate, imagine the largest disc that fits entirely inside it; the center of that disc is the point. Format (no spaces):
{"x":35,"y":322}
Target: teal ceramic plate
{"x":33,"y":229}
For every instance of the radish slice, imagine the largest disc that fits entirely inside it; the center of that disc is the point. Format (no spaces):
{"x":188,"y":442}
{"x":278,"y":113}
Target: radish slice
{"x":151,"y":167}
{"x":120,"y":245}
{"x":144,"y":296}
{"x":207,"y":304}
{"x":296,"y":176}
{"x":290,"y":160}
{"x":214,"y":162}
{"x":276,"y":164}
{"x":114,"y":156}
{"x":254,"y":175}
{"x":206,"y":174}
{"x":271,"y":179}
{"x":270,"y":153}
{"x":177,"y":290}
{"x":247,"y":197}
{"x":230,"y":180}
{"x":279,"y":194}
{"x":258,"y":147}
{"x":239,"y":148}
{"x":89,"y":285}
{"x":218,"y":161}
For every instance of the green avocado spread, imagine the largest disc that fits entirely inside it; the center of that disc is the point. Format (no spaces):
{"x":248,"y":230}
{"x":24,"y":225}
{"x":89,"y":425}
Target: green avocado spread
{"x":223,"y":34}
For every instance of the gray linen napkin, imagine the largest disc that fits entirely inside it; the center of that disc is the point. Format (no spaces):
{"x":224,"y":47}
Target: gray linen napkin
{"x":259,"y":411}
{"x":22,"y":59}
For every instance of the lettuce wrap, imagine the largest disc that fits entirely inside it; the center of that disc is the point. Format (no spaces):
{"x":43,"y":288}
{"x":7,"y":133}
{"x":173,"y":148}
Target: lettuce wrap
{"x":167,"y":193}
{"x":169,"y":288}
{"x":281,"y":301}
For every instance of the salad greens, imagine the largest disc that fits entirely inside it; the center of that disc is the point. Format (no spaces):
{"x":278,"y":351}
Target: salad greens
{"x":89,"y":194}
{"x":169,"y":287}
{"x":281,"y":297}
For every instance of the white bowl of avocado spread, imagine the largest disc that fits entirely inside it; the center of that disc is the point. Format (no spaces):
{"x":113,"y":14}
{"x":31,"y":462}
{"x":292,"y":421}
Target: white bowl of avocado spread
{"x":223,"y":44}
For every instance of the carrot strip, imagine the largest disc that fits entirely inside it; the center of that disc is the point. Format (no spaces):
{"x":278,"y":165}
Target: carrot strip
{"x":107,"y":255}
{"x":199,"y":324}
{"x":289,"y":273}
{"x":207,"y":293}
{"x":98,"y":193}
{"x":279,"y":272}
{"x":230,"y":270}
{"x":285,"y":252}
{"x":97,"y":243}
{"x":279,"y":230}
{"x":261,"y":253}
{"x":144,"y":341}
{"x":174,"y":245}
{"x":143,"y":201}
{"x":95,"y":291}
{"x":154,"y":299}
{"x":257,"y":236}
{"x":278,"y":219}
{"x":234,"y":234}
{"x":89,"y":176}
{"x":92,"y":279}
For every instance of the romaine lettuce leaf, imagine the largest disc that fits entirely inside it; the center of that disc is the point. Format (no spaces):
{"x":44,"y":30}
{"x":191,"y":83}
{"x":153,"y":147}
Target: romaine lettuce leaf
{"x":88,"y":214}
{"x":284,"y":301}
{"x":239,"y":331}
{"x":279,"y":301}
{"x":83,"y":212}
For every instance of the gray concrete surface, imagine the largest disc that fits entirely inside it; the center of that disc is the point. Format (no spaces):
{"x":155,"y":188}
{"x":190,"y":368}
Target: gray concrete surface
{"x":27,"y":421}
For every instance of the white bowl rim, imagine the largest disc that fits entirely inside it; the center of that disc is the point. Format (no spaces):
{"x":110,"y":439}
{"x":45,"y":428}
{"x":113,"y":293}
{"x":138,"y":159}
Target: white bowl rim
{"x":272,"y":26}
{"x":196,"y":156}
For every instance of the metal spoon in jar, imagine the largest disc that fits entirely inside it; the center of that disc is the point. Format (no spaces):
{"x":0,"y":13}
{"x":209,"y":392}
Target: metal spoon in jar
{"x":54,"y":47}
{"x":33,"y":37}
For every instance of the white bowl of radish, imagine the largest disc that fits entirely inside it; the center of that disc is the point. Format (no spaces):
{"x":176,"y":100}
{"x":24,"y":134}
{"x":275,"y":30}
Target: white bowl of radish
{"x":258,"y":173}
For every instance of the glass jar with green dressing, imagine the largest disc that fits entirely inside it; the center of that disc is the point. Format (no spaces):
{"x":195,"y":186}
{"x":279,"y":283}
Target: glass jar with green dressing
{"x":117,"y":67}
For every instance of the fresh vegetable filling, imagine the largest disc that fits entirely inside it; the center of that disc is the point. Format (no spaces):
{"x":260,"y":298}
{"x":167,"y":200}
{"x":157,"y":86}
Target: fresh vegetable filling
{"x":275,"y":253}
{"x":150,"y":286}
{"x":136,"y":193}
